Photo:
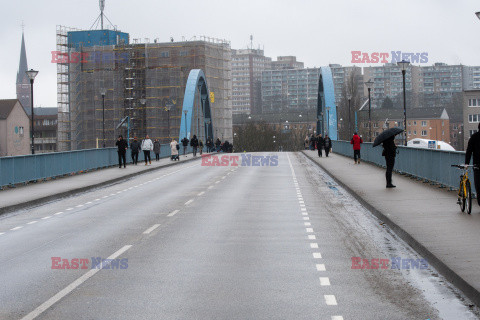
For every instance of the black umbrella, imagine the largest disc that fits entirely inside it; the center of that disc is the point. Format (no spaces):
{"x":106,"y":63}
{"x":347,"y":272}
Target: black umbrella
{"x":385,"y":135}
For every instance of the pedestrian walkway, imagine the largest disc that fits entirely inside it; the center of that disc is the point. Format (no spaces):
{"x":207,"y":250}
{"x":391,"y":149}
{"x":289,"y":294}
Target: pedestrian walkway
{"x":425,"y":216}
{"x":35,"y":193}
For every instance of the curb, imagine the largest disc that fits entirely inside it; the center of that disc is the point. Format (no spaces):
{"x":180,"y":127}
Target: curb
{"x":472,"y":293}
{"x":72,"y":192}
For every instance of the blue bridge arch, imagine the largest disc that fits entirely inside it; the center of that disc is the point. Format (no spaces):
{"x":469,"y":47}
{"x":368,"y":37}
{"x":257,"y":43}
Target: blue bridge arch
{"x":326,"y":107}
{"x":196,"y":81}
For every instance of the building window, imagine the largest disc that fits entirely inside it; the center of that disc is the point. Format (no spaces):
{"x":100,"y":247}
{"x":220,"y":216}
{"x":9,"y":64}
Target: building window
{"x":165,"y":54}
{"x":424,"y":123}
{"x":474,"y":118}
{"x":414,"y":132}
{"x":20,"y":131}
{"x":424,"y":133}
{"x":474,"y":102}
{"x":414,"y":123}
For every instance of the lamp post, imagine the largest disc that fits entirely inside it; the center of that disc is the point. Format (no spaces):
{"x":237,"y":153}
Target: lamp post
{"x":185,"y":111}
{"x":167,"y":108}
{"x":404,"y":65}
{"x":369,"y":85}
{"x":143,"y":102}
{"x":103,"y":92}
{"x":349,"y":97}
{"x":31,"y":75}
{"x":328,"y":121}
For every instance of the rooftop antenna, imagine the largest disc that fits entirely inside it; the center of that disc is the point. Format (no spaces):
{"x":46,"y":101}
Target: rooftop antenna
{"x":102,"y":8}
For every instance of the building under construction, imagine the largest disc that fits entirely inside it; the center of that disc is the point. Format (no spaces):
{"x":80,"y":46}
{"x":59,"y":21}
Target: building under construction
{"x":142,"y":80}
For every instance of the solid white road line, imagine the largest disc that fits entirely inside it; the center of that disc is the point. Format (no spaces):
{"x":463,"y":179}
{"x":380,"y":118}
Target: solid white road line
{"x":47,"y":304}
{"x":201,"y":193}
{"x":188,"y":202}
{"x":32,"y":222}
{"x":56,"y":214}
{"x":314,"y":245}
{"x":47,"y":217}
{"x":330,"y":300}
{"x":317,"y":255}
{"x":309,"y":230}
{"x":16,"y":228}
{"x":324,"y":281}
{"x":155,"y":226}
{"x":320,"y":267}
{"x":173,"y":213}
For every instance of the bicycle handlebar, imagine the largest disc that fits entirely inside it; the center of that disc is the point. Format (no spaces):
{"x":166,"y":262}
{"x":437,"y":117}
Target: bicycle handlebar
{"x":460,"y":166}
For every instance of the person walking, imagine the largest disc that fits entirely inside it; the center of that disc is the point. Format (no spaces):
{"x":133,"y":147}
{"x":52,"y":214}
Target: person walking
{"x":194,"y":144}
{"x":218,"y":143}
{"x":356,"y":141}
{"x":473,"y":148}
{"x":320,"y":143}
{"x":174,"y":147}
{"x":327,"y":144}
{"x":306,"y":143}
{"x":200,"y":146}
{"x":209,"y":144}
{"x":122,"y":147}
{"x":312,"y":142}
{"x":147,"y":146}
{"x":156,"y":149}
{"x":185,"y":145}
{"x":135,"y":148}
{"x":389,"y":152}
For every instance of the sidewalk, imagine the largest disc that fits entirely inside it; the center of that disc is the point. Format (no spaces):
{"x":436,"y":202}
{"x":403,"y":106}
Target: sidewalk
{"x":40,"y":192}
{"x":426,"y":217}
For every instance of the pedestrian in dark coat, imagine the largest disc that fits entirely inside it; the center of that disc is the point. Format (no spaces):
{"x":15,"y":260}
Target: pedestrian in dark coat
{"x":327,"y":144}
{"x":473,"y":148}
{"x":389,"y":152}
{"x":156,"y":149}
{"x":209,"y":144}
{"x":356,"y":141}
{"x":200,"y":146}
{"x":218,"y":143}
{"x":135,"y":148}
{"x":194,"y":144}
{"x":185,"y":145}
{"x":320,"y":143}
{"x":312,"y":142}
{"x":122,"y":147}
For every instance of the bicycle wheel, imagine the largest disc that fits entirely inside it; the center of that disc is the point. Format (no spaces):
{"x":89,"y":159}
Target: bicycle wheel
{"x":468,"y":197}
{"x":461,"y":197}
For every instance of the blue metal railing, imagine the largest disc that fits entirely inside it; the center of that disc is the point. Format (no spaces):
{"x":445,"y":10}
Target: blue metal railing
{"x":22,"y":169}
{"x":426,"y":164}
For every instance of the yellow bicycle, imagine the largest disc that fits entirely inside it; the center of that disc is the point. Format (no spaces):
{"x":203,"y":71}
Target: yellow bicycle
{"x":465,"y":190}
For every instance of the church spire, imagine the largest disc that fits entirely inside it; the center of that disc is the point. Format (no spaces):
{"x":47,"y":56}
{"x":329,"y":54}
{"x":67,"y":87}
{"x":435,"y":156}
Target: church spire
{"x":23,"y":66}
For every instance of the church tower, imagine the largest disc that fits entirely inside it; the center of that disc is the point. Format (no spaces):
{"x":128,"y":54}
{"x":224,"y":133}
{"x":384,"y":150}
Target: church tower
{"x":23,"y":83}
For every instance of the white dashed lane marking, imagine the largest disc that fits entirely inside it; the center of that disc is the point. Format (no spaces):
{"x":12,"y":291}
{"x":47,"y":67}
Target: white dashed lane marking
{"x":337,"y":318}
{"x":330,"y":300}
{"x":32,"y":222}
{"x":16,"y":228}
{"x":309,"y":230}
{"x":155,"y":226}
{"x":201,"y":193}
{"x":320,"y":267}
{"x":47,"y":217}
{"x":311,"y":237}
{"x":314,"y":245}
{"x":173,"y":213}
{"x":56,"y":214}
{"x":324,"y":281}
{"x":189,"y":201}
{"x":317,"y":255}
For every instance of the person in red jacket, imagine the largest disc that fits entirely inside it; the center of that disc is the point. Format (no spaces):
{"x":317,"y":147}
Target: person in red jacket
{"x":356,"y":141}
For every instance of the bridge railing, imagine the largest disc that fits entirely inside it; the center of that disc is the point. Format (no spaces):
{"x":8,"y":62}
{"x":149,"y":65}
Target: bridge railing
{"x":430,"y":165}
{"x":22,"y":169}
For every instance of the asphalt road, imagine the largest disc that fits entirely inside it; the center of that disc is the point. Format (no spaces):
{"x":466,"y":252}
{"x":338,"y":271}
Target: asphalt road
{"x":197,"y":242}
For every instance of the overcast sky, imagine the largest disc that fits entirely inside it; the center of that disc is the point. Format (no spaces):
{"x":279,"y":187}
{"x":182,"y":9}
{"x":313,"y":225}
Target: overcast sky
{"x":318,"y":32}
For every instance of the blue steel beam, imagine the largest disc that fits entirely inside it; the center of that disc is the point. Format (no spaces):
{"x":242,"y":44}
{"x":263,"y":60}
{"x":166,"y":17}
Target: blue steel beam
{"x":326,"y":99}
{"x":196,"y":81}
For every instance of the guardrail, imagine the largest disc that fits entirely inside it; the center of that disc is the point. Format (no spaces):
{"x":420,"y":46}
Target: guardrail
{"x":23,"y":169}
{"x":426,"y":164}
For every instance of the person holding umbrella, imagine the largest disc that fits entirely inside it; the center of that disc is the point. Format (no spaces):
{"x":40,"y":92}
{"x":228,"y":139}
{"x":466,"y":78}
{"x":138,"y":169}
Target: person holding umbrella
{"x":387,"y":139}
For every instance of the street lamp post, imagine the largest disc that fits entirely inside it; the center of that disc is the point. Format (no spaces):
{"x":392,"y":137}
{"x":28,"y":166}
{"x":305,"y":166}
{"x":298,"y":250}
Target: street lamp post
{"x":349,"y":97}
{"x":168,"y":120}
{"x":31,"y":75}
{"x":369,"y":85}
{"x":404,"y":65}
{"x":185,"y":111}
{"x":103,"y":92}
{"x":143,"y":102}
{"x":328,"y":121}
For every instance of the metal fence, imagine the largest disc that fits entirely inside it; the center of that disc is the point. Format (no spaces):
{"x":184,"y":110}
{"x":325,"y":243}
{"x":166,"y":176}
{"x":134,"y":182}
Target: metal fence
{"x":426,"y":164}
{"x":22,"y":169}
